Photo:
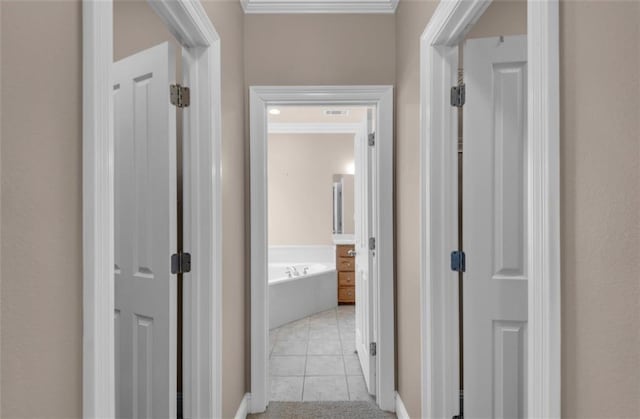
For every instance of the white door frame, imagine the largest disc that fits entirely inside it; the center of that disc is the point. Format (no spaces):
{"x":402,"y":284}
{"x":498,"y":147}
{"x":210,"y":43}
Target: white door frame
{"x":438,"y":138}
{"x":202,"y":331}
{"x":260,"y":98}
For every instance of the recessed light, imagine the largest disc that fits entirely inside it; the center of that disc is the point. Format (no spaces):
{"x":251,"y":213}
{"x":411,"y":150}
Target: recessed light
{"x":350,"y":169}
{"x":274,"y":111}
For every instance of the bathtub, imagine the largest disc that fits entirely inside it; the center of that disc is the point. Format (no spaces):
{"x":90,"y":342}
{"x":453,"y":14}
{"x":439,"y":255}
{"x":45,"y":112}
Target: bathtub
{"x":295,"y":297}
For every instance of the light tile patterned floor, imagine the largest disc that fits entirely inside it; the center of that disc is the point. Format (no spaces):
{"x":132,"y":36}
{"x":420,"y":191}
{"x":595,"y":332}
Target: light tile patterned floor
{"x":314,"y":359}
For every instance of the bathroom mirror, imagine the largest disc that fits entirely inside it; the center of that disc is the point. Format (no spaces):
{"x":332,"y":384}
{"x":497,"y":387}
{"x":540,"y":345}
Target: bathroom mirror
{"x":343,"y":205}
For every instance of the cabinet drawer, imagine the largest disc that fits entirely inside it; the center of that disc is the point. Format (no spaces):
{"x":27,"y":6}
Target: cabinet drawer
{"x":342,"y":250}
{"x":346,"y":294}
{"x":346,"y":279}
{"x":345,"y":264}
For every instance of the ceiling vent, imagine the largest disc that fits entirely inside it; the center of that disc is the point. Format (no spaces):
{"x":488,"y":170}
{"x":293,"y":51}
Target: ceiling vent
{"x":336,"y":112}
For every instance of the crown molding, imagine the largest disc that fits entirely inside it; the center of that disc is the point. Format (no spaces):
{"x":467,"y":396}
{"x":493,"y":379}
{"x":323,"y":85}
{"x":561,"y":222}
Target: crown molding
{"x":318,"y":6}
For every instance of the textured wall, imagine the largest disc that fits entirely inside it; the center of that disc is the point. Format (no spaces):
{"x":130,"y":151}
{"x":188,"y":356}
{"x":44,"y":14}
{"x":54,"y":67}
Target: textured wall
{"x":228,"y":19}
{"x":600,"y":208}
{"x":41,"y":356}
{"x":319,"y":49}
{"x":411,"y":19}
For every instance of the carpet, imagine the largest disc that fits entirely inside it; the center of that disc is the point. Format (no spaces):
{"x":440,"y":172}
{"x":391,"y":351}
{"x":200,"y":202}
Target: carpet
{"x":323,"y":410}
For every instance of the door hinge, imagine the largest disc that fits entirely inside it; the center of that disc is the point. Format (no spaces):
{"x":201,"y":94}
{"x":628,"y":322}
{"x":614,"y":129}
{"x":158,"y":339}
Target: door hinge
{"x":180,"y":95}
{"x":372,"y":139}
{"x":458,"y":95}
{"x":373,"y":349}
{"x":372,"y":243}
{"x":458,"y":262}
{"x":180,"y":263}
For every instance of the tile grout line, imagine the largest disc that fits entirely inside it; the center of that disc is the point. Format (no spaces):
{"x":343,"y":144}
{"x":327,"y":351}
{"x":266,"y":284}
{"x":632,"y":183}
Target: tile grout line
{"x":344,"y":364}
{"x":306,"y":358}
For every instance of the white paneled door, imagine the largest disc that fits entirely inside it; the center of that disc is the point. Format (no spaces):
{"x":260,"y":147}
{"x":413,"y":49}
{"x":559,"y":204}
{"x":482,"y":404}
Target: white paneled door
{"x":364,"y":186}
{"x":145,"y":236}
{"x":495,"y":228}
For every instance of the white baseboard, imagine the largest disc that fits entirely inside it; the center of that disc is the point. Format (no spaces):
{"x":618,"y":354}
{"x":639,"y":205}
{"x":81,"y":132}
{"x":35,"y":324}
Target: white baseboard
{"x":401,"y":411}
{"x":243,"y":409}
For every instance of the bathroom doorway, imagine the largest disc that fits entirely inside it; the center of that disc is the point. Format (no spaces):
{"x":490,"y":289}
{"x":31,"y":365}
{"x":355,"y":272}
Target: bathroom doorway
{"x":318,"y":185}
{"x":321,"y":236}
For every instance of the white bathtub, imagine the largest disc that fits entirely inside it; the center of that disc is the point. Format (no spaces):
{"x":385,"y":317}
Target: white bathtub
{"x":296,"y":297}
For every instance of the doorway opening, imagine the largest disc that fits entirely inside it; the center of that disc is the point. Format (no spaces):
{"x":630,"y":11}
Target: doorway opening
{"x":318,"y":213}
{"x":322,"y":239}
{"x":492,"y":215}
{"x":130,"y":189}
{"x":148,"y":186}
{"x":490,"y":238}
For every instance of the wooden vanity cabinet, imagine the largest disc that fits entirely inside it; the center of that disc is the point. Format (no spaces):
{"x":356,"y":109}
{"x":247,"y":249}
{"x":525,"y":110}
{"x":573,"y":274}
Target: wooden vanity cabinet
{"x":345,"y":266}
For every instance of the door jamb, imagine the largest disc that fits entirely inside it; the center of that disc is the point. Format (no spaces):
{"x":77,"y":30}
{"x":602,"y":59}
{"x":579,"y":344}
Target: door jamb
{"x":439,"y":289}
{"x":189,"y":23}
{"x":260,"y":98}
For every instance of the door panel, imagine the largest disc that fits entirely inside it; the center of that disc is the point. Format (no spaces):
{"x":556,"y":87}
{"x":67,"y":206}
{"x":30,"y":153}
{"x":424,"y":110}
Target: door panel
{"x":494,"y":225}
{"x":145,"y":235}
{"x":364,"y":257}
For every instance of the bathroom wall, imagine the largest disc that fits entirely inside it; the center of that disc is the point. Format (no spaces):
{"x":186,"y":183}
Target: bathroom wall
{"x":600,"y":221}
{"x":348,"y":204}
{"x":300,"y":178}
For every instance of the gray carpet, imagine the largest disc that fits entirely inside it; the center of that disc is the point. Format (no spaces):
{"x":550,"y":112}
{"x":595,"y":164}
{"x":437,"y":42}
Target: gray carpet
{"x":323,"y":410}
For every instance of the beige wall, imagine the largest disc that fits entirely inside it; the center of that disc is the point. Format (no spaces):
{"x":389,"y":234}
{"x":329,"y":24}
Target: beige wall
{"x":411,"y":19}
{"x":137,"y":27}
{"x":41,"y":329}
{"x":600,"y":208}
{"x":319,"y":49}
{"x":300,"y":177}
{"x":227,"y":17}
{"x":348,"y":204}
{"x":600,"y":234}
{"x":502,"y":17}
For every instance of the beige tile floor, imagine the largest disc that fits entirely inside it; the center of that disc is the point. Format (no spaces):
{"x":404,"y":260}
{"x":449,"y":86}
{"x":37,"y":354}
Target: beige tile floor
{"x":314,"y":359}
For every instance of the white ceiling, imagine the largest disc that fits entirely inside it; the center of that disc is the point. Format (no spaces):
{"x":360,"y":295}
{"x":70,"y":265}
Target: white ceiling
{"x":319,"y":6}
